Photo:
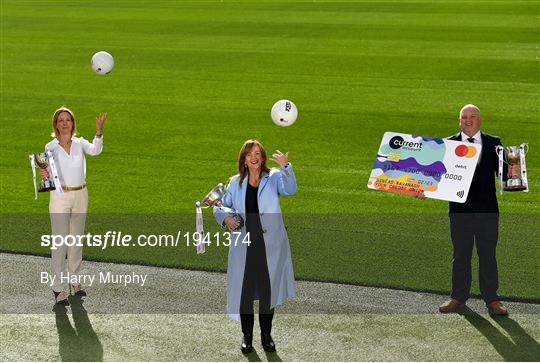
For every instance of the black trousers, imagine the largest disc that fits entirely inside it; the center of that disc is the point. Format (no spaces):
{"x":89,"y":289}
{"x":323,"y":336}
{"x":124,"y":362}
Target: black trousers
{"x":468,"y":229}
{"x":256,"y":282}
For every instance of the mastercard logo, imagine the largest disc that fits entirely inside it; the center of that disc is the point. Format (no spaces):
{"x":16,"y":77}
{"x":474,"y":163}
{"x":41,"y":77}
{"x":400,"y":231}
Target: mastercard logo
{"x":465,"y":151}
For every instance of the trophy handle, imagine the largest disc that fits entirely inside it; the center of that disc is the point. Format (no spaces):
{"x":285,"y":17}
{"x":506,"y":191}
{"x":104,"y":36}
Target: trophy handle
{"x":525,"y":147}
{"x":32,"y":159}
{"x":500,"y":152}
{"x":199,"y":227}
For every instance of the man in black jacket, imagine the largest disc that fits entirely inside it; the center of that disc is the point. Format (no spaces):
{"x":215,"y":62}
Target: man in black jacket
{"x":476,"y":221}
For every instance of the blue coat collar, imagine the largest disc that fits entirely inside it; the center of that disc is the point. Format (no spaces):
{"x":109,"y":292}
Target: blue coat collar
{"x":262,"y":184}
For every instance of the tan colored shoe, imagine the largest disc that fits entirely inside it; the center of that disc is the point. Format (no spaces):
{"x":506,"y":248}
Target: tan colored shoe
{"x":497,"y":308}
{"x":450,"y":306}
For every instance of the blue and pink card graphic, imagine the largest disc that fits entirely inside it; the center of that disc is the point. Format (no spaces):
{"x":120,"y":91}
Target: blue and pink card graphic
{"x":410,"y":164}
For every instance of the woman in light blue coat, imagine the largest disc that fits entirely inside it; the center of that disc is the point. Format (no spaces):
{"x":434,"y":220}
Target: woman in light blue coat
{"x":263,"y":269}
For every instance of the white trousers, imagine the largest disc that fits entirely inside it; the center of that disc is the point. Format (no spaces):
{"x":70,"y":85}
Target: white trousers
{"x":68,"y":217}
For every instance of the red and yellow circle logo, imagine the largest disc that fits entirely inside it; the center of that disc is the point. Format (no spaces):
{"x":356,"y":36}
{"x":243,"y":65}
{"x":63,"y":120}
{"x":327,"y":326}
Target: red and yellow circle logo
{"x":465,"y":151}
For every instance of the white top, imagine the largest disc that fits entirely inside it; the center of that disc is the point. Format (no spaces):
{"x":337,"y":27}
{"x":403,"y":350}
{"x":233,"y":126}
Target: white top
{"x":477,"y":137}
{"x":477,"y":140}
{"x":72,"y":167}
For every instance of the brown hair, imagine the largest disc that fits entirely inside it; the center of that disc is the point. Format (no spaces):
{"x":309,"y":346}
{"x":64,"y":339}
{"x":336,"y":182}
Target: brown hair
{"x":242,"y":167}
{"x":55,"y":116}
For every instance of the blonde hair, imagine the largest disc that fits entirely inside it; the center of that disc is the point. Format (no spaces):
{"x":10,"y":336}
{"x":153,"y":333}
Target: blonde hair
{"x":242,"y":167}
{"x":55,"y":116}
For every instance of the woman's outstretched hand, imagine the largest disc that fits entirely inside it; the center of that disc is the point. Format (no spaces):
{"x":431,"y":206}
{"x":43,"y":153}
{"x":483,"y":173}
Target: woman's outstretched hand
{"x":100,"y":120}
{"x":280,"y":158}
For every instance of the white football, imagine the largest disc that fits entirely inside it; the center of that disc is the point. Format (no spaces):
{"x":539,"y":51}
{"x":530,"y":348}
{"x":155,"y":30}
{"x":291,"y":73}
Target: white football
{"x":102,"y":63}
{"x":284,"y":113}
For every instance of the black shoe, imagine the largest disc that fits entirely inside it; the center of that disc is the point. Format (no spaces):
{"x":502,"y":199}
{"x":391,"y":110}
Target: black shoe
{"x":80,"y":293}
{"x":247,"y":343}
{"x":267,"y":343}
{"x":60,"y":298}
{"x":77,"y":291}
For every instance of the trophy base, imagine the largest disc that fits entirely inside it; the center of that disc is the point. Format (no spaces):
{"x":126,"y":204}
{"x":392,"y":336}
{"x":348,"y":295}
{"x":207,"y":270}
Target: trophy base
{"x":514,"y":185}
{"x":47,"y":189}
{"x":516,"y":188}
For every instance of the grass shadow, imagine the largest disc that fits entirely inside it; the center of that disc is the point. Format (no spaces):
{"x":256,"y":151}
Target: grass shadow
{"x":78,"y":343}
{"x":273,"y":357}
{"x":521,"y":347}
{"x":253,"y":356}
{"x":527,"y":346}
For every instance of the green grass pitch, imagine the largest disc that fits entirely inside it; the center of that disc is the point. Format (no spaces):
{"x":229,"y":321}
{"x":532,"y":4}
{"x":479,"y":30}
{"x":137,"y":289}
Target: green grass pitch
{"x":194,"y":79}
{"x":364,"y":337}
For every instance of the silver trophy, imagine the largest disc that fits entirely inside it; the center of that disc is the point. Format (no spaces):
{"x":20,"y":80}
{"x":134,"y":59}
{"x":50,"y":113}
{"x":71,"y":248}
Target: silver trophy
{"x":213,"y":199}
{"x":513,"y":155}
{"x":44,"y":161}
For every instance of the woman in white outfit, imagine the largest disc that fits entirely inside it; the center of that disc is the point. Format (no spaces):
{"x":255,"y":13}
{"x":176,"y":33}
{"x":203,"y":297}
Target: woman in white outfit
{"x":68,"y":204}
